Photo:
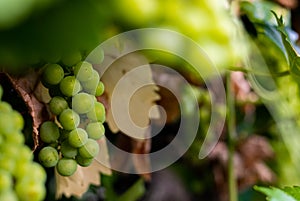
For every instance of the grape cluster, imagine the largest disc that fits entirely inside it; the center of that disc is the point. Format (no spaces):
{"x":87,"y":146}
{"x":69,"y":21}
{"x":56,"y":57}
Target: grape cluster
{"x":79,"y":117}
{"x":20,"y":177}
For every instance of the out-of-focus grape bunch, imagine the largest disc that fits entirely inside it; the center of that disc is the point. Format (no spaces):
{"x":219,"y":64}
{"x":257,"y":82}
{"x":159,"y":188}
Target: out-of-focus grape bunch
{"x":44,"y":32}
{"x":20,"y":177}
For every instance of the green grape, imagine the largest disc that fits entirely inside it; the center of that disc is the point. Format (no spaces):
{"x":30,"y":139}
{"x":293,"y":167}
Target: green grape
{"x":9,"y":195}
{"x":15,"y":138}
{"x":67,"y":150}
{"x":5,"y":107}
{"x":28,"y":170}
{"x":83,"y":71}
{"x":49,"y":132}
{"x":6,"y":163}
{"x":97,"y":113}
{"x":48,"y":156}
{"x":10,"y":150}
{"x":95,"y":130}
{"x":58,"y":104}
{"x":82,"y":103}
{"x":6,"y":123}
{"x":30,"y":190}
{"x":52,"y":74}
{"x":18,"y":120}
{"x":71,"y":59}
{"x":90,"y":86}
{"x":6,"y":181}
{"x":100,"y":89}
{"x":90,"y":149}
{"x":69,"y":86}
{"x":84,"y":162}
{"x":69,"y":119}
{"x":66,"y":166}
{"x":77,"y":137}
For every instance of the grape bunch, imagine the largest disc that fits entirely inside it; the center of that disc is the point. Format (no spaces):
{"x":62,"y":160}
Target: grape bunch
{"x":21,"y":179}
{"x":71,"y":138}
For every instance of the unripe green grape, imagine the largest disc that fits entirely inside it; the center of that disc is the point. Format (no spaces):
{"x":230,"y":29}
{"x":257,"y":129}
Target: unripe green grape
{"x":30,"y":190}
{"x":66,"y":166}
{"x":30,"y":170}
{"x":49,"y":132}
{"x":69,"y":119}
{"x":58,"y":104}
{"x":100,"y":89}
{"x":97,"y":113}
{"x":6,"y":163}
{"x":9,"y":195}
{"x":95,"y":130}
{"x":6,"y":123}
{"x":77,"y":137}
{"x":17,"y":120}
{"x":90,"y":149}
{"x":83,"y":71}
{"x":72,"y":58}
{"x":48,"y":156}
{"x":15,"y":138}
{"x":84,"y":162}
{"x":6,"y":181}
{"x":5,"y":107}
{"x":52,"y":74}
{"x":10,"y":150}
{"x":69,"y":86}
{"x":82,"y":103}
{"x":67,"y":150}
{"x":90,"y":86}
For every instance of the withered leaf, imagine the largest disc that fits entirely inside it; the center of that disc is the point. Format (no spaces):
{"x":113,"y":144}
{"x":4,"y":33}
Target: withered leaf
{"x":26,"y":86}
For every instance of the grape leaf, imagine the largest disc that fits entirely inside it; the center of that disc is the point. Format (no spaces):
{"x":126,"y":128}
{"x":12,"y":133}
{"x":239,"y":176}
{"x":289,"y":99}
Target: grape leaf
{"x":275,"y":194}
{"x":293,"y":191}
{"x":136,"y":110}
{"x":292,"y":55}
{"x":79,"y":182}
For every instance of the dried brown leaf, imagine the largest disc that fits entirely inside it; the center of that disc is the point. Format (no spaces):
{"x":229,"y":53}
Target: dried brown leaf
{"x":26,"y":86}
{"x":79,"y":182}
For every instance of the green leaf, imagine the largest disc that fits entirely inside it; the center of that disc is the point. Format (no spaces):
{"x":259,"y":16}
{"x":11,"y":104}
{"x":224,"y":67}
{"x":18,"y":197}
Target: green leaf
{"x":292,"y":55}
{"x":293,"y":191}
{"x":135,"y":192}
{"x":275,"y":194}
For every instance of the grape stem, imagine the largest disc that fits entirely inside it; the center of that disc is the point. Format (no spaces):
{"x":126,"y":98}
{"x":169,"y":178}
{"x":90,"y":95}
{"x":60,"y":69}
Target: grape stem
{"x":233,"y":193}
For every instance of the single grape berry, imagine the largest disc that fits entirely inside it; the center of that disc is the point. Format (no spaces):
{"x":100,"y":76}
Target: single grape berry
{"x":90,"y":86}
{"x":69,"y":86}
{"x":95,"y":130}
{"x":58,"y":104}
{"x":77,"y":137}
{"x":9,"y":195}
{"x":84,"y":162}
{"x":67,"y":150}
{"x":100,"y":89}
{"x":49,"y":132}
{"x":83,"y":71}
{"x":1,"y":92}
{"x":82,"y":103}
{"x":52,"y":74}
{"x":90,"y":149}
{"x":30,"y":190}
{"x":6,"y":181}
{"x":71,"y":59}
{"x":69,"y":119}
{"x":5,"y":107}
{"x":48,"y":156}
{"x":97,"y":113}
{"x":66,"y":166}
